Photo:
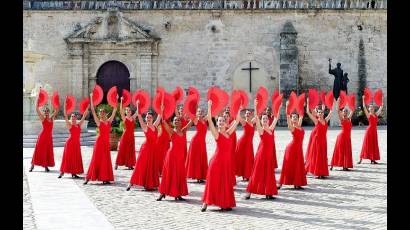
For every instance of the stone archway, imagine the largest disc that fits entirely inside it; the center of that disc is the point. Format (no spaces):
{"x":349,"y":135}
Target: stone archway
{"x":113,"y":73}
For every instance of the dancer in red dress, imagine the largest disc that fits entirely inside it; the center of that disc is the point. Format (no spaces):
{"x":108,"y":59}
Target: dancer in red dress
{"x":184,"y":121}
{"x":370,"y":147}
{"x":312,"y":133}
{"x":342,"y":154}
{"x":293,"y":169}
{"x":268,"y":112}
{"x":173,"y":181}
{"x":218,"y":186}
{"x":100,"y":168}
{"x":317,"y":161}
{"x":262,"y":180}
{"x":72,"y":161}
{"x":126,"y":149}
{"x":197,"y":160}
{"x":163,"y":144}
{"x":232,"y":138}
{"x":244,"y":156}
{"x":43,"y":152}
{"x":146,"y":167}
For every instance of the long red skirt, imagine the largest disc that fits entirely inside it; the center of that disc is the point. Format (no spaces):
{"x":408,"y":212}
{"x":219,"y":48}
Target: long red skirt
{"x":72,"y":161}
{"x":342,"y":154}
{"x":197,"y":160}
{"x":126,"y":149}
{"x":370,"y":147}
{"x":43,"y":152}
{"x":244,"y":156}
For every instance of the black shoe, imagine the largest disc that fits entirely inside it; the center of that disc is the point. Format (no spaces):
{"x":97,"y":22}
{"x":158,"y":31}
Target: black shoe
{"x":47,"y":170}
{"x":31,"y":168}
{"x":203,"y":209}
{"x":116,"y":167}
{"x":331,"y":168}
{"x":86,"y":182}
{"x":161,"y":197}
{"x":228,"y":209}
{"x":248,"y":197}
{"x":359,"y":162}
{"x":180,"y":198}
{"x":130,"y":168}
{"x":278,"y":187}
{"x":299,"y":187}
{"x":270,"y":197}
{"x":374,"y":162}
{"x":128,"y":188}
{"x":75,"y":176}
{"x":60,"y":176}
{"x":106,"y":182}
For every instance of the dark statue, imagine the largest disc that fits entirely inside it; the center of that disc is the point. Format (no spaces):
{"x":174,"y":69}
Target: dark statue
{"x":338,"y":74}
{"x":345,"y":80}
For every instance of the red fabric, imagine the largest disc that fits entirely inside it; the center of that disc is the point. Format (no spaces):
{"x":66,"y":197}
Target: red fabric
{"x":146,"y":169}
{"x":42,"y":97}
{"x":313,"y":98}
{"x":55,"y":100}
{"x":322,"y":96}
{"x":351,"y":101}
{"x":190,"y":106}
{"x":275,"y":94}
{"x":84,"y":104}
{"x":158,"y":100}
{"x":367,"y":96}
{"x":72,"y":161}
{"x":197,"y":159}
{"x":178,"y":94}
{"x":126,"y":100}
{"x":163,"y":144}
{"x":292,"y":103}
{"x":262,"y":97}
{"x":310,"y":144}
{"x":126,"y":149}
{"x":329,"y":99}
{"x":69,"y":104}
{"x":370,"y":147}
{"x":144,"y":100}
{"x":244,"y":98}
{"x":317,"y":161}
{"x":342,"y":99}
{"x":342,"y":153}
{"x":378,"y":97}
{"x":184,"y":122}
{"x":276,"y":104}
{"x":219,"y":100}
{"x":43,"y":151}
{"x":300,"y":107}
{"x":293,"y":169}
{"x":193,"y":90}
{"x":218,"y":187}
{"x":169,"y":105}
{"x":244,"y":156}
{"x":262,"y":180}
{"x":233,"y":140}
{"x":100,"y":168}
{"x":97,"y":95}
{"x":173,"y":181}
{"x":236,"y":101}
{"x":112,"y":96}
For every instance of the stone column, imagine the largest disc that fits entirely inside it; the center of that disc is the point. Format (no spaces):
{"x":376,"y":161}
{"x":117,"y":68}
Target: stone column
{"x":145,"y":73}
{"x":289,"y":70}
{"x":76,"y":73}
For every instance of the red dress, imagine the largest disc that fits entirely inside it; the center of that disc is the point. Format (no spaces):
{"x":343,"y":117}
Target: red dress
{"x":72,"y":161}
{"x":218,"y":186}
{"x":342,"y":154}
{"x":293,"y":169}
{"x":309,"y":147}
{"x":184,"y":122}
{"x":244,"y":156}
{"x":146,"y":169}
{"x":126,"y":149}
{"x":317,"y":163}
{"x":173,"y":181}
{"x":43,"y":152}
{"x":262,"y":180}
{"x":197,"y":160}
{"x":162,"y":147}
{"x":100,"y":166}
{"x":370,"y":147}
{"x":232,"y":138}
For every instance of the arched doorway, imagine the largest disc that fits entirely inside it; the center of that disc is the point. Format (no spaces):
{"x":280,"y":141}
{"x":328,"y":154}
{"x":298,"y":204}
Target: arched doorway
{"x":113,"y":73}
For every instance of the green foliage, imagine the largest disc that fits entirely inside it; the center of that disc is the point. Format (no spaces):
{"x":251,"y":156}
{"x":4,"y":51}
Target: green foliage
{"x":117,"y":126}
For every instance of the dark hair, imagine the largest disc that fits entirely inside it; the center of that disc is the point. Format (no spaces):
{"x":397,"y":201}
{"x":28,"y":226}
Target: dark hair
{"x":149,"y":113}
{"x":294,"y":113}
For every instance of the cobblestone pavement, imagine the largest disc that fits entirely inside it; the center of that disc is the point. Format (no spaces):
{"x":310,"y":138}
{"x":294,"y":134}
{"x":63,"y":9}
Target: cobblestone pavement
{"x":28,"y":216}
{"x":346,"y":200}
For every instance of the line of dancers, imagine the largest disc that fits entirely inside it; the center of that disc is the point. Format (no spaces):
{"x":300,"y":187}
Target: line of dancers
{"x":164,"y":152}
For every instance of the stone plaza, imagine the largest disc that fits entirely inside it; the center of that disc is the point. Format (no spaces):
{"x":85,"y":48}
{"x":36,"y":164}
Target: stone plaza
{"x":354,"y":199}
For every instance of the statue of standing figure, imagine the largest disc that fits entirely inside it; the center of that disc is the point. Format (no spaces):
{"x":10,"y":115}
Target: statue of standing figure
{"x":338,"y":74}
{"x":345,"y":80}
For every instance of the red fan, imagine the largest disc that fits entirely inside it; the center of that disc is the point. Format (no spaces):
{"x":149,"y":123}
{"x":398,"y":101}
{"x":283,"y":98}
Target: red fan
{"x":126,"y":98}
{"x":178,"y":94}
{"x":219,"y":99}
{"x":112,"y":96}
{"x":244,"y":98}
{"x":300,"y":105}
{"x":55,"y":100}
{"x":69,"y":104}
{"x":313,"y":98}
{"x":367,"y":96}
{"x":378,"y":97}
{"x":144,"y":100}
{"x":322,"y":97}
{"x":274,"y":96}
{"x":351,"y":100}
{"x":236,"y":101}
{"x":293,"y":99}
{"x":158,"y":100}
{"x":190,"y":106}
{"x":169,"y":105}
{"x":84,"y":104}
{"x":97,"y":95}
{"x":329,"y":99}
{"x":193,"y":90}
{"x":276,"y":104}
{"x":42,"y":97}
{"x":262,"y":97}
{"x":342,"y":99}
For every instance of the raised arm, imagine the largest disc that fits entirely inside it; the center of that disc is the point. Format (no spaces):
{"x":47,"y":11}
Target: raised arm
{"x":379,"y":111}
{"x":53,"y":116}
{"x":134,"y":116}
{"x":214,"y":131}
{"x":328,"y":116}
{"x":364,"y":108}
{"x":121,"y":110}
{"x":97,"y":121}
{"x":114,"y":110}
{"x":242,"y":121}
{"x":275,"y":120}
{"x":300,"y":120}
{"x":167,"y":128}
{"x":67,"y":123}
{"x":259,"y":127}
{"x":350,"y":114}
{"x":158,"y":120}
{"x":313,"y":118}
{"x":288,"y":121}
{"x":84,"y":116}
{"x":187,"y":126}
{"x":235,"y":122}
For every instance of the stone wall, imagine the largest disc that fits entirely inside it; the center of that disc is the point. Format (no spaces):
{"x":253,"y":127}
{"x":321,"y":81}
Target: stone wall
{"x":206,"y":47}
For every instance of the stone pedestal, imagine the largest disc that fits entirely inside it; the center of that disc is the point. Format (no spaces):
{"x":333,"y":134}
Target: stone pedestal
{"x":29,"y":113}
{"x":334,"y":119}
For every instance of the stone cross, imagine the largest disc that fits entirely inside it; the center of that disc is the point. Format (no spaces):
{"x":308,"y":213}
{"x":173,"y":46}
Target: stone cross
{"x":250,"y":75}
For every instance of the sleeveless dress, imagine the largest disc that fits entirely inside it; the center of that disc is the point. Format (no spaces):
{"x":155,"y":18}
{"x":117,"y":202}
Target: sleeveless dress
{"x":317,"y":164}
{"x":244,"y":156}
{"x":43,"y":152}
{"x":218,"y":187}
{"x":100,"y":168}
{"x":293,"y":169}
{"x":126,"y":149}
{"x":72,"y":161}
{"x":370,"y":147}
{"x":232,"y":138}
{"x":173,"y":181}
{"x":146,"y":169}
{"x":342,"y":154}
{"x":163,"y":144}
{"x":184,"y":122}
{"x":262,"y":180}
{"x":309,"y":146}
{"x":197,"y":160}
